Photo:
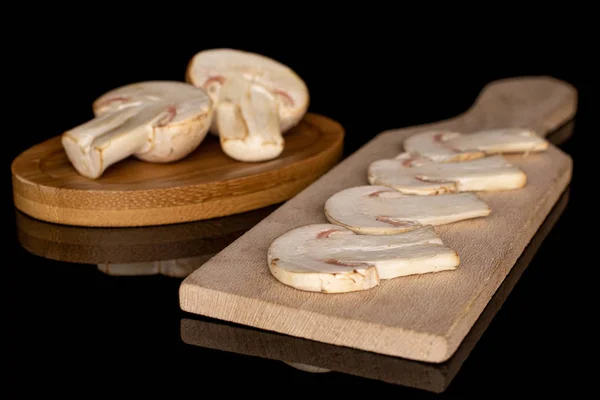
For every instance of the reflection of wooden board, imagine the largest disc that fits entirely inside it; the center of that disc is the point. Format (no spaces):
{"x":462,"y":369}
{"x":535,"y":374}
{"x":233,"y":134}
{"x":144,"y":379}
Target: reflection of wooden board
{"x":140,"y":244}
{"x":199,"y":331}
{"x":204,"y":185}
{"x":418,"y":317}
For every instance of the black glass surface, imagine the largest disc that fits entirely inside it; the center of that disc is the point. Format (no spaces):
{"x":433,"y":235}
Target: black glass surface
{"x":92,"y":313}
{"x":101,"y":305}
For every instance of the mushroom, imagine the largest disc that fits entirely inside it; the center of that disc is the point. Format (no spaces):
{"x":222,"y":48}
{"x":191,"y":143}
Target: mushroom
{"x":442,"y":146}
{"x":380,"y":210}
{"x":329,"y":258}
{"x":155,"y":121}
{"x":257,"y":100}
{"x":421,"y":176}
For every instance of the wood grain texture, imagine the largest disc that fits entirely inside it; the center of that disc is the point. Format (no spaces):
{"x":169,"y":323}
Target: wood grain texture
{"x":418,"y":317}
{"x":209,"y":333}
{"x":206,"y":184}
{"x":138,"y":244}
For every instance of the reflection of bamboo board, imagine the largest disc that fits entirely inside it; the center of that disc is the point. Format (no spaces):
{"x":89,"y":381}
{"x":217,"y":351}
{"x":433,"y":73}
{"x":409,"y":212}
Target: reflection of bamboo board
{"x":204,"y":185}
{"x":432,"y":377}
{"x":418,"y":317}
{"x":139,"y":244}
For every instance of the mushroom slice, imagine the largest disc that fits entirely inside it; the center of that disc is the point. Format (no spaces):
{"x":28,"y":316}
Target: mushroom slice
{"x":443,"y":146}
{"x":221,"y":73}
{"x":380,"y":210}
{"x":155,"y":121}
{"x":421,"y":176}
{"x":332,"y":259}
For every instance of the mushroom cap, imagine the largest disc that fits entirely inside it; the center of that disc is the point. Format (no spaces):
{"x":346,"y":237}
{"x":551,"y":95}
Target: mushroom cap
{"x":422,"y":176}
{"x":443,"y":146}
{"x":189,"y":115}
{"x":380,"y":210}
{"x":332,"y":259}
{"x":209,"y":69}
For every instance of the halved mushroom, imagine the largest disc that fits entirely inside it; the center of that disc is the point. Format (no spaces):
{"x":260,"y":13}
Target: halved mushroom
{"x":442,"y":146}
{"x":329,"y":258}
{"x":248,"y":122}
{"x":421,"y":176}
{"x":155,"y":121}
{"x":380,"y":210}
{"x":257,"y":100}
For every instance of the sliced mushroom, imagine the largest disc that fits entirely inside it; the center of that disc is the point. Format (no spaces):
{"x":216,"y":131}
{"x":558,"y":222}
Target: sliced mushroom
{"x":257,"y":100}
{"x":380,"y":210}
{"x":442,"y":146}
{"x":329,"y":258}
{"x":421,"y":176}
{"x":155,"y":121}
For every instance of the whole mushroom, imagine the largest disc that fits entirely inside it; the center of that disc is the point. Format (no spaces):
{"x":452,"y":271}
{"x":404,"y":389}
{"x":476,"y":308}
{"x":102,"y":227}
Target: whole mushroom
{"x":257,"y":100}
{"x":155,"y":121}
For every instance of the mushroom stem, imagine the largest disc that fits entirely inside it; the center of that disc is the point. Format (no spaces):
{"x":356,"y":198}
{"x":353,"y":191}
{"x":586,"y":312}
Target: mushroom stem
{"x":248,"y":122}
{"x":107,"y":139}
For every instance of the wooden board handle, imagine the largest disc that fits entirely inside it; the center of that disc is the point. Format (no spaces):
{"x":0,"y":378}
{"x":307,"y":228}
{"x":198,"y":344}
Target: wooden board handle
{"x":541,"y":103}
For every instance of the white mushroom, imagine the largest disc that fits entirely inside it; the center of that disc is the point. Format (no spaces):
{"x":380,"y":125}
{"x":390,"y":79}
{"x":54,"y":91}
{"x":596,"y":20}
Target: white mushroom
{"x":155,"y":121}
{"x":248,"y":122}
{"x":257,"y":100}
{"x":380,"y":210}
{"x":442,"y":146}
{"x":328,"y":258}
{"x":413,"y":175}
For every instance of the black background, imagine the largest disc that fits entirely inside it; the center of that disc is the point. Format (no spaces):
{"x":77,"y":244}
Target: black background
{"x":65,"y":324}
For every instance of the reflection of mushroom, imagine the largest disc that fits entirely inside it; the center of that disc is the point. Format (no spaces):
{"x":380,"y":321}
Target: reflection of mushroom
{"x":307,"y":368}
{"x":179,"y":268}
{"x":256,"y":98}
{"x":156,"y":121}
{"x":380,"y":210}
{"x":413,"y":175}
{"x":441,"y":146}
{"x":331,"y":259}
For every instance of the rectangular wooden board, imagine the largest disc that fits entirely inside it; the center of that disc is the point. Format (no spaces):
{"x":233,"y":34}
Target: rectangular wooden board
{"x":422,"y":317}
{"x":214,"y":334}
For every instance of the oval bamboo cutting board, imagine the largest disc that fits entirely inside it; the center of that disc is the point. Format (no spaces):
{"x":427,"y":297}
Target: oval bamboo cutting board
{"x":204,"y":185}
{"x":419,"y":317}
